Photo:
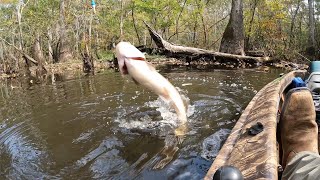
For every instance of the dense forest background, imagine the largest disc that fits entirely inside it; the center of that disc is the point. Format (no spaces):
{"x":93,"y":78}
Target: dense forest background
{"x":51,"y":31}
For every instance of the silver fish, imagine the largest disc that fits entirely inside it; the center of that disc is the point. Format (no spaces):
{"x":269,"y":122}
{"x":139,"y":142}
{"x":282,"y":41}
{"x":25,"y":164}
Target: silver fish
{"x":133,"y":62}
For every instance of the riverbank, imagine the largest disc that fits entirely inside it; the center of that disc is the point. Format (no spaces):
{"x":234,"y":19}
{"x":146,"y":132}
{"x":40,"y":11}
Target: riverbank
{"x":162,"y":62}
{"x":75,"y":68}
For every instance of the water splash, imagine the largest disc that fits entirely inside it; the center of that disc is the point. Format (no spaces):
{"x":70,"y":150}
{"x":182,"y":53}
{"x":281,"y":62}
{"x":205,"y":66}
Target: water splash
{"x":154,"y":117}
{"x":168,"y":113}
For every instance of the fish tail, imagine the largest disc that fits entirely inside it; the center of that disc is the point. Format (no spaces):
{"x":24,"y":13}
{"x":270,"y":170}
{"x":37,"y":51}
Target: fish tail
{"x":177,"y":102}
{"x":180,"y":111}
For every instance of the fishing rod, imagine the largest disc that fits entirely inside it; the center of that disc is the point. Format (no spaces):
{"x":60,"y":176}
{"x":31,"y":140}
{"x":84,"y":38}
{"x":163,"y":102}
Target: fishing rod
{"x":303,"y":57}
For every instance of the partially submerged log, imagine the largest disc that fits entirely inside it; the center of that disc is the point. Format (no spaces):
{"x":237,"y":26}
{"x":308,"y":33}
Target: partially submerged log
{"x":191,"y":53}
{"x":88,"y":65}
{"x":256,"y":53}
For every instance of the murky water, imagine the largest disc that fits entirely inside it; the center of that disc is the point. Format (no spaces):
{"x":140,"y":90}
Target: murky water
{"x":106,"y":127}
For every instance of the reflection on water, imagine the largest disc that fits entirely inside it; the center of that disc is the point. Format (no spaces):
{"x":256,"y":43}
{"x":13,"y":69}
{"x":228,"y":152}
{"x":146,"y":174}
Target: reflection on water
{"x":105,"y":126}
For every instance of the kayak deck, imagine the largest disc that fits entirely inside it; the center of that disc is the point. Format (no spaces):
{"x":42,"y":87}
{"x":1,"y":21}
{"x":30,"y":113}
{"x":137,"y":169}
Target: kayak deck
{"x":257,"y":157}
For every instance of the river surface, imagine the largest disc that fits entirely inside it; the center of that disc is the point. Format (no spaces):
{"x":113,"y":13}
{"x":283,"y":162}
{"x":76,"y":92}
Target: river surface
{"x":106,"y":127}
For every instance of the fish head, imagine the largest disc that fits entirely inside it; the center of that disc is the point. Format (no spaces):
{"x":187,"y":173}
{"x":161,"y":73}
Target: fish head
{"x":126,"y":52}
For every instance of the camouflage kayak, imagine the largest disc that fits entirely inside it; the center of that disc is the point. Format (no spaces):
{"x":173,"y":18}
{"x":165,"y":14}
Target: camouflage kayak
{"x":256,"y":155}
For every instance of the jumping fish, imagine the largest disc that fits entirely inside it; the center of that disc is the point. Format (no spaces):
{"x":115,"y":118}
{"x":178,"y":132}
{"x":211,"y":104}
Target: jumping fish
{"x":133,"y":62}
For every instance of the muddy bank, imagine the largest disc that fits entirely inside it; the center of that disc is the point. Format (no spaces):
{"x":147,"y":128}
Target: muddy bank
{"x":69,"y":69}
{"x":75,"y":68}
{"x":162,"y":62}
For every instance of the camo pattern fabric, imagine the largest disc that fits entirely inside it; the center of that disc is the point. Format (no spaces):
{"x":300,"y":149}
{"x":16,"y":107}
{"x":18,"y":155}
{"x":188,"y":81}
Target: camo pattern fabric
{"x":257,"y":157}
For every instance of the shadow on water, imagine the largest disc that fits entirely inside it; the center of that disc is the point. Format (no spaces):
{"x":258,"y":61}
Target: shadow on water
{"x":106,"y":127}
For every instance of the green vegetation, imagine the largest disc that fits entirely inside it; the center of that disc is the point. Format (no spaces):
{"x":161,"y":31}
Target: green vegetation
{"x":61,"y":30}
{"x":105,"y":55}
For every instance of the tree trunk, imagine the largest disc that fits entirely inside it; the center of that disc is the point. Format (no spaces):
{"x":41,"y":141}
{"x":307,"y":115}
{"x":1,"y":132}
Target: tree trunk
{"x":88,"y":66}
{"x":90,"y":30}
{"x":64,"y":49}
{"x":178,"y":18}
{"x":121,"y":19}
{"x":145,"y":38}
{"x":77,"y":33}
{"x":38,"y":56}
{"x":36,"y":50}
{"x":250,"y":25}
{"x":19,"y":17}
{"x":2,"y":57}
{"x":50,"y":50}
{"x":1,"y":51}
{"x":96,"y":39}
{"x":233,"y":37}
{"x":134,"y":23}
{"x":203,"y":23}
{"x":2,"y":61}
{"x":312,"y":42}
{"x":300,"y":32}
{"x":19,"y":8}
{"x":194,"y":32}
{"x":291,"y":34}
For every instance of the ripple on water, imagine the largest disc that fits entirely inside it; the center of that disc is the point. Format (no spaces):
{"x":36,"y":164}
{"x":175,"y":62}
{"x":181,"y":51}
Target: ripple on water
{"x":215,"y":109}
{"x":212,"y":144}
{"x":26,"y":156}
{"x":188,"y":169}
{"x":104,"y":161}
{"x":191,"y":168}
{"x":108,"y":165}
{"x":104,"y":127}
{"x":84,"y":136}
{"x":105,"y":145}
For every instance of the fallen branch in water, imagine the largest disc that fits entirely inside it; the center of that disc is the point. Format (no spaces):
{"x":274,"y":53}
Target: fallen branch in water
{"x":191,"y":53}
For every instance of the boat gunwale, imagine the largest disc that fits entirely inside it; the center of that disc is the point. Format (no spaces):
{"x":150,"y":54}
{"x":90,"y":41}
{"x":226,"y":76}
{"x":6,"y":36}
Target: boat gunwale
{"x":233,"y":152}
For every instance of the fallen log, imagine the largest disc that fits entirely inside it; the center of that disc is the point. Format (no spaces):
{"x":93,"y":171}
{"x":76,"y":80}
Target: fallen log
{"x":25,"y":55}
{"x":191,"y":53}
{"x":255,"y":53}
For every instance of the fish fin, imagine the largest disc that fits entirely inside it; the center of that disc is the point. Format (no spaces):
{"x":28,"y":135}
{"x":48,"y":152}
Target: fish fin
{"x":165,"y":96}
{"x":124,"y":69}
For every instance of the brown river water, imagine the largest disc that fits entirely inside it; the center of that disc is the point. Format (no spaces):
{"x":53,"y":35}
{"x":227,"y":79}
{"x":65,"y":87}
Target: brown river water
{"x":106,"y":127}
